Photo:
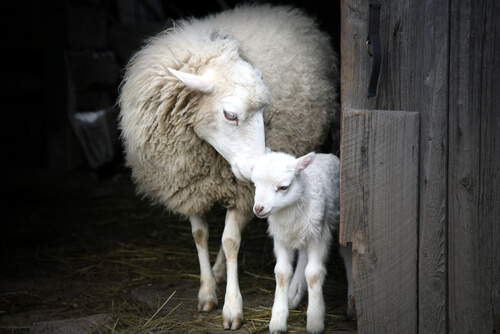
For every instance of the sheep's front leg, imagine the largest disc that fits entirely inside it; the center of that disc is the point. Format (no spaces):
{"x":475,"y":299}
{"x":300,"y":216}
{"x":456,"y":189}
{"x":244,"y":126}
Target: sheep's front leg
{"x":283,"y":271}
{"x":315,"y":275}
{"x":207,"y":297}
{"x":232,"y":313}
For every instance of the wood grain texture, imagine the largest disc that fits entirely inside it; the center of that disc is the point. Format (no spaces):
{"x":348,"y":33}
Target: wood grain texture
{"x":355,"y":60}
{"x":414,"y":76}
{"x":379,"y":208}
{"x":474,"y":166}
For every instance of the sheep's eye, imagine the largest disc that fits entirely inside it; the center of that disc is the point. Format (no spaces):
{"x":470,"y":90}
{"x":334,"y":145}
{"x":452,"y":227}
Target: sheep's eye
{"x":231,"y":116}
{"x":283,"y":188}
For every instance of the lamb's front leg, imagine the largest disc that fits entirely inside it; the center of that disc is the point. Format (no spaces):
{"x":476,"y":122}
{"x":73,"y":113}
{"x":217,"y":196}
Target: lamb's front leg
{"x":315,"y":275}
{"x":232,"y":313}
{"x":207,"y":297}
{"x":283,"y":271}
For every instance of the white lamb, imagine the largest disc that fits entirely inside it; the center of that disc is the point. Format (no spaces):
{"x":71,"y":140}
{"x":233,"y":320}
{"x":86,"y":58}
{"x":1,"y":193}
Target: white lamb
{"x":200,"y":101}
{"x":300,"y":199}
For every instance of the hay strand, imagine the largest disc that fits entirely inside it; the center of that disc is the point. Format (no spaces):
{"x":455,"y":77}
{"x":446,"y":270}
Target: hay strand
{"x":158,"y":311}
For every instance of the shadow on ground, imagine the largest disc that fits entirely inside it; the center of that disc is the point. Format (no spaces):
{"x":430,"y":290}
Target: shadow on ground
{"x":87,"y":255}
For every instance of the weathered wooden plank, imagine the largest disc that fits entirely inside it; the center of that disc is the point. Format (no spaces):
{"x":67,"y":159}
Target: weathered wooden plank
{"x":414,"y":76}
{"x":474,"y":164}
{"x":379,"y":211}
{"x":423,"y":33}
{"x":355,"y":60}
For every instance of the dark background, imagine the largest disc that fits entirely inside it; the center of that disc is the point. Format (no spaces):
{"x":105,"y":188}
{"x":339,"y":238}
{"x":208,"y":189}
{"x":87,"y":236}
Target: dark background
{"x":73,"y":232}
{"x":62,"y":60}
{"x":65,"y":57}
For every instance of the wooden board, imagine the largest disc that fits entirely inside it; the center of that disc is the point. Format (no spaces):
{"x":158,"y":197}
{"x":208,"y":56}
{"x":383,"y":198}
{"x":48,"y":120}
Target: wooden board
{"x":474,"y":168}
{"x":379,"y":216}
{"x":414,"y":76}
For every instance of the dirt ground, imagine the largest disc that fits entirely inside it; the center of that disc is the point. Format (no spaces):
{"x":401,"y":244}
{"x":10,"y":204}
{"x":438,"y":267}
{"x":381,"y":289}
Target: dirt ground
{"x":87,"y":245}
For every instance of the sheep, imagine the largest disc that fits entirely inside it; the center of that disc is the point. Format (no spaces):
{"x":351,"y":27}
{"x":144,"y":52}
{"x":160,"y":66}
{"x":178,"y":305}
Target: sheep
{"x":200,"y":101}
{"x":300,"y":199}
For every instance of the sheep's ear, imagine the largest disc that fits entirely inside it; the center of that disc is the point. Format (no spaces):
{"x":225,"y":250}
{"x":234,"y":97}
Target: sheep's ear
{"x":302,"y":162}
{"x":197,"y":82}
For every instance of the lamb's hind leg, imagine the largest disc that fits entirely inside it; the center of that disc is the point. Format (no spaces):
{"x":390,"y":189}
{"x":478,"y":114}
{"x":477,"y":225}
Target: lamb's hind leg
{"x":232,"y":313}
{"x":346,"y":253}
{"x":207,"y":297}
{"x":298,"y":284}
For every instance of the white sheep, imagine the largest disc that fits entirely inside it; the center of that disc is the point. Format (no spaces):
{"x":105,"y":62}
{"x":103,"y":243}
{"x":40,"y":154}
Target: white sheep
{"x":200,"y":101}
{"x":300,"y":199}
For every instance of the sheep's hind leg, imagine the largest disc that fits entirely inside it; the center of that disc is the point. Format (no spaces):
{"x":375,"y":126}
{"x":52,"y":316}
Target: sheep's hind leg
{"x":232,"y":312}
{"x":219,"y":267}
{"x":207,"y":297}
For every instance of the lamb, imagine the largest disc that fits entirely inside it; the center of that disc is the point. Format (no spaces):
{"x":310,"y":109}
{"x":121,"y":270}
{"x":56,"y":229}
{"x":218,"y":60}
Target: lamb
{"x":198,"y":104}
{"x":300,"y":199}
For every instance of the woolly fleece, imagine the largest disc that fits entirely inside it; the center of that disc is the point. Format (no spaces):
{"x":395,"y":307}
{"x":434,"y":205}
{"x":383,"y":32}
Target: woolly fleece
{"x":170,"y":164}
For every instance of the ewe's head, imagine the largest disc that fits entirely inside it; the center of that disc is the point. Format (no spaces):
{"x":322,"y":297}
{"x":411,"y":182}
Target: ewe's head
{"x":278,"y":182}
{"x":231,"y":110}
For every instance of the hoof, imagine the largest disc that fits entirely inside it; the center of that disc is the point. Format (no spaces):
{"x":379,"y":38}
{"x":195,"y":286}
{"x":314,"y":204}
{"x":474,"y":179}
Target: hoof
{"x":232,"y":325}
{"x":275,"y":328}
{"x":206,"y":306}
{"x":279,"y":332}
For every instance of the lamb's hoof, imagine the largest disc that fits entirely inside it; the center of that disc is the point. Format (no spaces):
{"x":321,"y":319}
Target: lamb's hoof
{"x":315,"y":329}
{"x":277,"y":331}
{"x":315,"y":323}
{"x":232,"y":325}
{"x":276,"y":327}
{"x":206,"y":306}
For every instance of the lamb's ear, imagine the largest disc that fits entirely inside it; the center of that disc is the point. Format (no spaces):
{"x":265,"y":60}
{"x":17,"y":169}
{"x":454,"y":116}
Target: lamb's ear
{"x":197,"y":82}
{"x":304,"y":161}
{"x":268,"y":150}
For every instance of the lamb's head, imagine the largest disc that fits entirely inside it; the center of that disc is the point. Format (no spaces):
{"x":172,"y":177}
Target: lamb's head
{"x":231,"y":109}
{"x":278,"y":182}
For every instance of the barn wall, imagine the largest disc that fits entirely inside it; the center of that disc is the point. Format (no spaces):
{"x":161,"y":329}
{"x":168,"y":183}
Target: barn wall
{"x":474,"y":165}
{"x":438,"y":59}
{"x":379,"y":187}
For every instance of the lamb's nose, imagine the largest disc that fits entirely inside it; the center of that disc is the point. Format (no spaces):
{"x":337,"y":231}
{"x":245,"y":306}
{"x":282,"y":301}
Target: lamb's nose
{"x":257,"y":209}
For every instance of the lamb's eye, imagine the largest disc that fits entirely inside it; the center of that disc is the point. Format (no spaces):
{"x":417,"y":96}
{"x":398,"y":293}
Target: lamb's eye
{"x":283,"y":188}
{"x":231,"y":116}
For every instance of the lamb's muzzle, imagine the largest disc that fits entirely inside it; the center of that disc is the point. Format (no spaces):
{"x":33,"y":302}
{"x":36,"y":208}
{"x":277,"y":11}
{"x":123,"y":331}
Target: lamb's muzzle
{"x":259,"y":211}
